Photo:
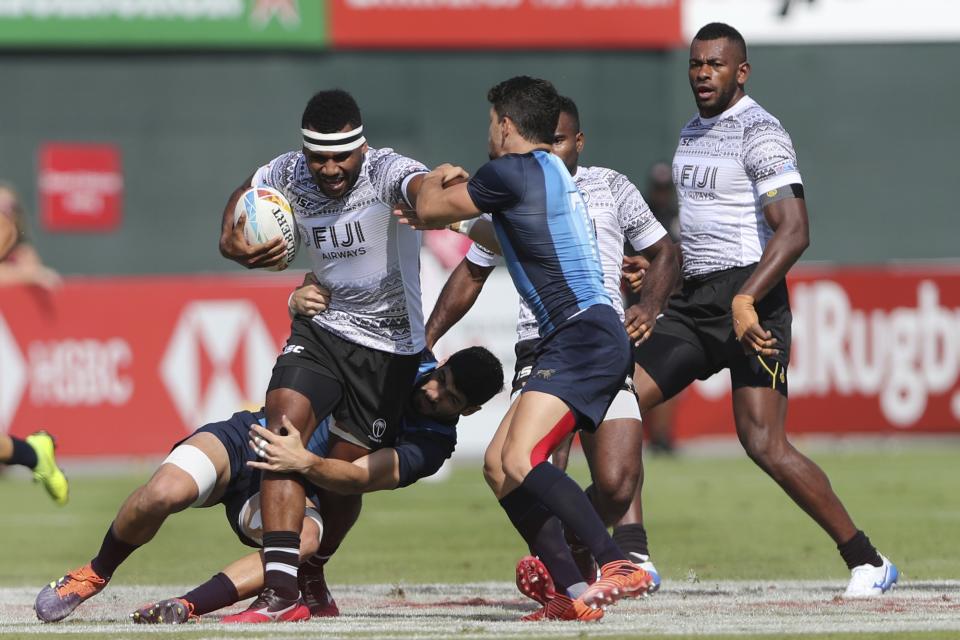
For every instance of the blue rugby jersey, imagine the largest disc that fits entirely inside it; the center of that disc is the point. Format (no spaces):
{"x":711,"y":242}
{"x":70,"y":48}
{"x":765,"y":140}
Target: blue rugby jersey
{"x":544,"y":233}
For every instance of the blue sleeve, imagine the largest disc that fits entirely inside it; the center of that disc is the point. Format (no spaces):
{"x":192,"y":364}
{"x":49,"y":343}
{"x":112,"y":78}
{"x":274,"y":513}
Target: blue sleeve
{"x":421,"y":456}
{"x":497,"y":185}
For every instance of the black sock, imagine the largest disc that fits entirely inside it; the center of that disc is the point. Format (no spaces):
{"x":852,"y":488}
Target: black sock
{"x":543,"y":534}
{"x":566,"y":500}
{"x":314,"y":564}
{"x":632,"y":538}
{"x":23,"y":454}
{"x":216,"y":593}
{"x":281,"y":558}
{"x":858,"y":550}
{"x":113,"y":551}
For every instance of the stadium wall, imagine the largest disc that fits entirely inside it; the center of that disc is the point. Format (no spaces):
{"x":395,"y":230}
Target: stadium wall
{"x":870,"y":122}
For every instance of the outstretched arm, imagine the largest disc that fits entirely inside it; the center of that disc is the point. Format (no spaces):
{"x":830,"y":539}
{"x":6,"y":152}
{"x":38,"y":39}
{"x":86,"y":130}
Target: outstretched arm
{"x":457,"y":297}
{"x":286,"y":454}
{"x":437,"y":205}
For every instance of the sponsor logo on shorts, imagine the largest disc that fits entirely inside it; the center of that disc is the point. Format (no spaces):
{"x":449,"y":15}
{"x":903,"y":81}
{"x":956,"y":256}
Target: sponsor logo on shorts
{"x":291,"y":348}
{"x":546,"y":374}
{"x":379,"y":427}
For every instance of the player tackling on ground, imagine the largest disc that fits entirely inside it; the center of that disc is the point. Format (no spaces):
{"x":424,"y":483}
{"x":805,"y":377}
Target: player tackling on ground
{"x":743,"y":224}
{"x":584,"y":353}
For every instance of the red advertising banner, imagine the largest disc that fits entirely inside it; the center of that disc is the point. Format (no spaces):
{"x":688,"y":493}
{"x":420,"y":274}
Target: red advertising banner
{"x":492,"y":24}
{"x":128,"y":366}
{"x":874,"y":350}
{"x":81,"y":187}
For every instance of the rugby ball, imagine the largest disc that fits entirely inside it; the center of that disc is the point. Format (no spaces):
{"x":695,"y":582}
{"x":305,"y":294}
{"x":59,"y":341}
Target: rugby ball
{"x":268,"y":216}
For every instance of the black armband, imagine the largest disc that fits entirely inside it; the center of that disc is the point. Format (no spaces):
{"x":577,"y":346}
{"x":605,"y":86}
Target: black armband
{"x":792,"y":190}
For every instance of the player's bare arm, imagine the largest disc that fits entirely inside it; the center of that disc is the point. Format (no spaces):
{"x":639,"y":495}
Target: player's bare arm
{"x":233,"y":244}
{"x":377,"y":471}
{"x":788,"y":219}
{"x":459,"y":294}
{"x":660,"y":279}
{"x":439,"y":205}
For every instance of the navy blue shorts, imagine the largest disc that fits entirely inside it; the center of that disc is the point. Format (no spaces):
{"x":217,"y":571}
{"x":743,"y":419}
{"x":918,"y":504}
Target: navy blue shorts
{"x":244,"y":483}
{"x":584,"y":362}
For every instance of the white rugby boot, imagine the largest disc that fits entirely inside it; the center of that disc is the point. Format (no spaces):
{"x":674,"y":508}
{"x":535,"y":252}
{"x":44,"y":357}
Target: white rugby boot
{"x":868,"y":581}
{"x":647,"y":565}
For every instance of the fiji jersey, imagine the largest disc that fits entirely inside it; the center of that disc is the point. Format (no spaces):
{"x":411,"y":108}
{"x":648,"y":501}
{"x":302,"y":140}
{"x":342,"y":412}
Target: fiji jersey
{"x":722,"y":166}
{"x":544,"y":232}
{"x":618,"y":212}
{"x":369,"y":262}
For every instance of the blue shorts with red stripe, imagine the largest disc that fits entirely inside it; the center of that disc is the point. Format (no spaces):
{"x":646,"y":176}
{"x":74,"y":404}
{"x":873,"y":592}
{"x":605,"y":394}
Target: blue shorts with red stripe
{"x":584,"y":362}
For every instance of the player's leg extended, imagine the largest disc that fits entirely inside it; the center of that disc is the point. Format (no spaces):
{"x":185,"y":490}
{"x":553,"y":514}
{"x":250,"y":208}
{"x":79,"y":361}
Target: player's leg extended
{"x":36,"y":452}
{"x":760,"y":414}
{"x":613,"y":453}
{"x":194,"y":473}
{"x":493,"y":456}
{"x":239,"y":580}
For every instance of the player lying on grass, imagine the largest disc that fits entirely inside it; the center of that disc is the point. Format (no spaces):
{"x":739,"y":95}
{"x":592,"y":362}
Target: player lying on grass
{"x":210,"y":467}
{"x":35,"y":452}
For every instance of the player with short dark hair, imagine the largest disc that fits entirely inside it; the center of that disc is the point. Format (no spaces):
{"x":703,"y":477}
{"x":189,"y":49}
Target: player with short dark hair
{"x":618,"y":214}
{"x":743,"y":224}
{"x":584,"y":353}
{"x":217,"y":465}
{"x":357,"y":358}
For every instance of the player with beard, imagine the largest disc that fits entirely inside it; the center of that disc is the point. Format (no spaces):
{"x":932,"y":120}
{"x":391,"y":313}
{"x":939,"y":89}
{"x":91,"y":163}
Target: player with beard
{"x":356,"y":359}
{"x":618,"y":213}
{"x":743,"y":224}
{"x":584,"y":353}
{"x":217,"y":465}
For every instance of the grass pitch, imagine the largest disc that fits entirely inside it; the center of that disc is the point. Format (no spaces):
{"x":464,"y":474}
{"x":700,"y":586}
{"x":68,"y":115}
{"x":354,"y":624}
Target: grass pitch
{"x":730,"y":545}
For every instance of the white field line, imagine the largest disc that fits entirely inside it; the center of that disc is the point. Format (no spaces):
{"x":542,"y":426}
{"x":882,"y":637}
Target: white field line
{"x":491,"y":610}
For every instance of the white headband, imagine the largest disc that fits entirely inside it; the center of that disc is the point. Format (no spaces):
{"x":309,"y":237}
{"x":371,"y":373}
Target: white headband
{"x":333,"y":142}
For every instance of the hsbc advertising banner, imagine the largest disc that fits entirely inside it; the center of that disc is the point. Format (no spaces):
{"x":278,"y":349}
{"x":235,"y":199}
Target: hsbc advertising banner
{"x":118,"y":367}
{"x":129,"y":366}
{"x":491,"y":24}
{"x":80,"y":186}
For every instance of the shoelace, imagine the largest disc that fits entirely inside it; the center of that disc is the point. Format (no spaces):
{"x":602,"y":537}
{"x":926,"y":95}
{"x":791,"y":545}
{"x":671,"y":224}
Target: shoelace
{"x":65,"y":585}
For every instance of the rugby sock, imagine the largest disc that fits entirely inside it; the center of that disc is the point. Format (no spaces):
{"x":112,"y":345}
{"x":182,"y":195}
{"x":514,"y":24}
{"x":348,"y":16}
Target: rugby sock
{"x":281,"y":556}
{"x":632,"y":538}
{"x":858,"y":550}
{"x":23,"y":454}
{"x":565,"y":499}
{"x":543,"y":534}
{"x":216,"y":593}
{"x":113,"y":551}
{"x":314,"y":564}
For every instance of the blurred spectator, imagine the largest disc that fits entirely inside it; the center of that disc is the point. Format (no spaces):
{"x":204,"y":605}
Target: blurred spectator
{"x":21,"y":264}
{"x":661,"y":196}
